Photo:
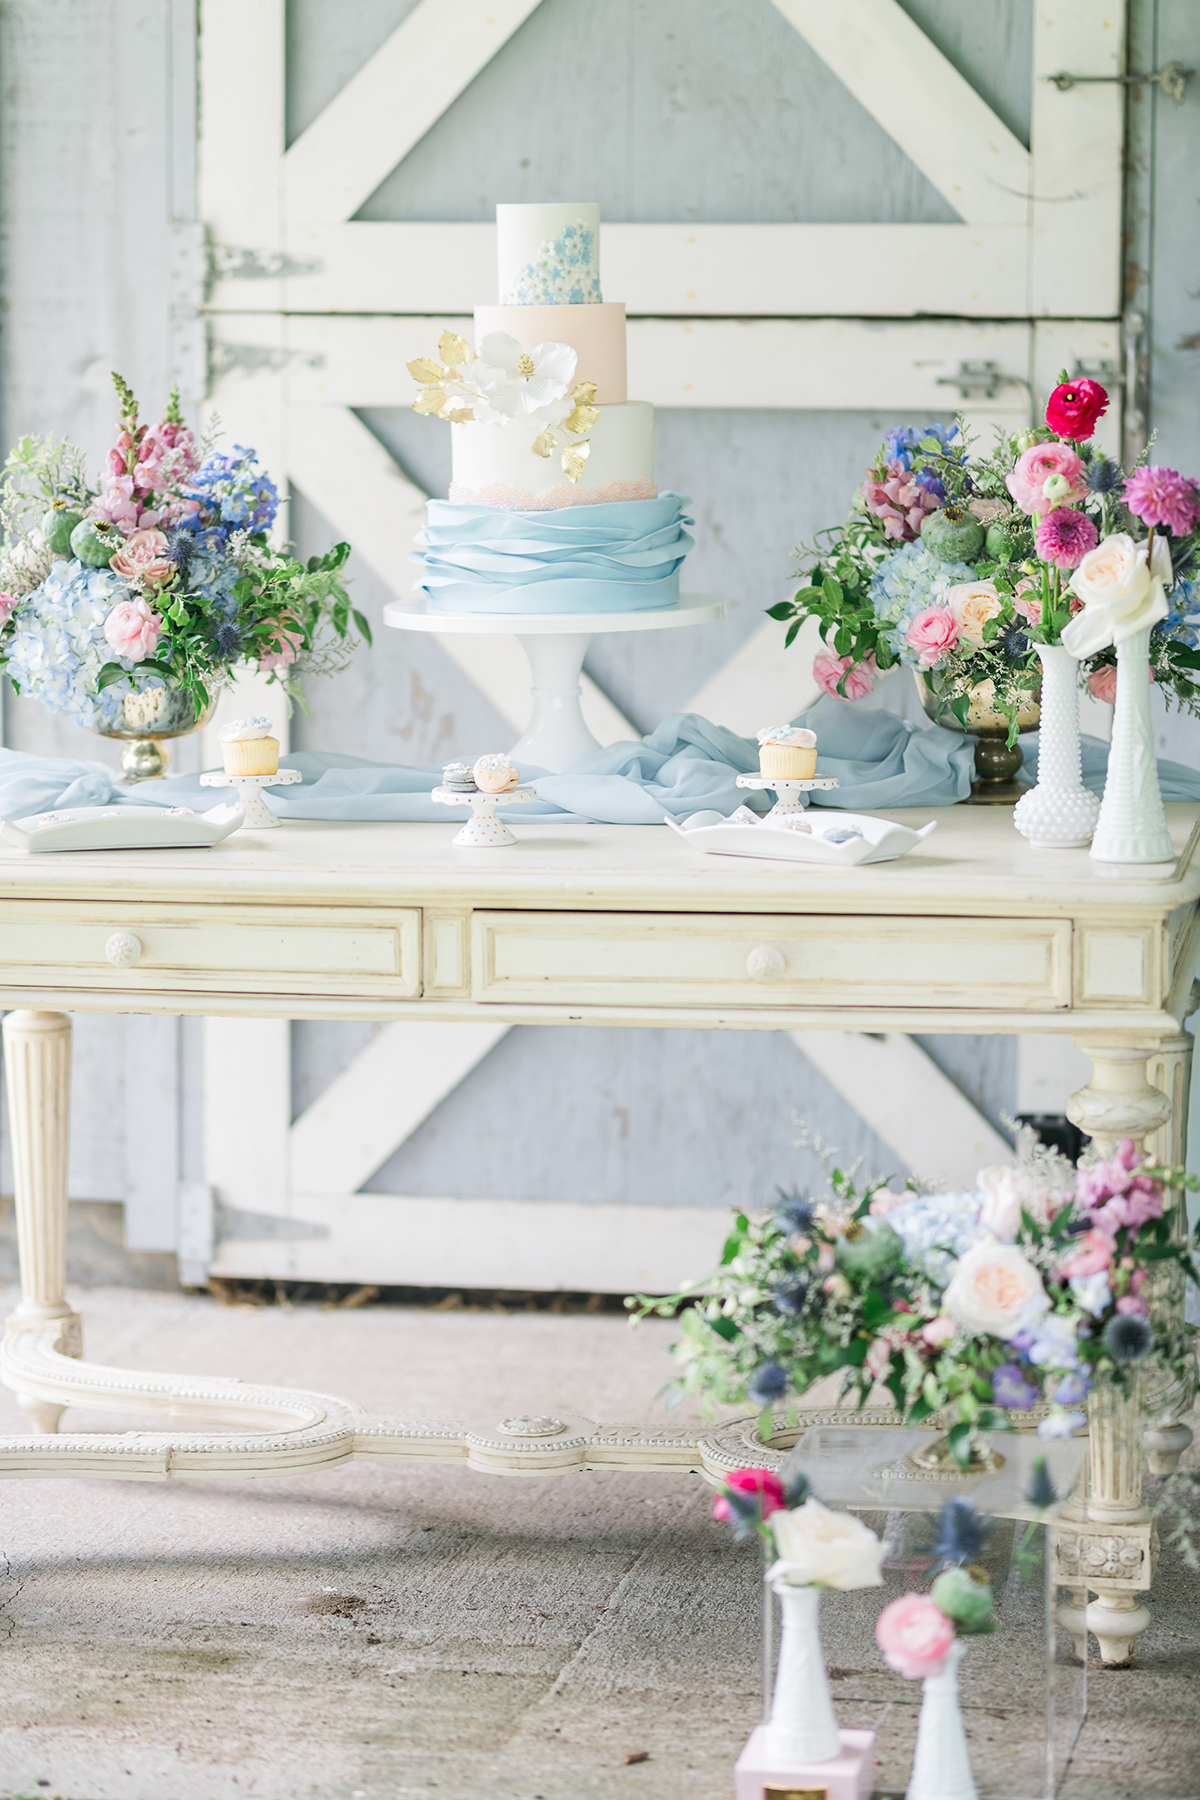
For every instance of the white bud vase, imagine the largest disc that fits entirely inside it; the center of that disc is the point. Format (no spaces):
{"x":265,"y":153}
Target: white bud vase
{"x":941,"y":1766}
{"x":1133,"y":825}
{"x":803,"y":1727}
{"x":1059,"y":812}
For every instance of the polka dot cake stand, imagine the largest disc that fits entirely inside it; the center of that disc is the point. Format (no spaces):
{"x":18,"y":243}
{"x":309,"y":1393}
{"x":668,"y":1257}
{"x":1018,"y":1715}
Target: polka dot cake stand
{"x":249,"y":790}
{"x":483,"y":830}
{"x":788,"y":804}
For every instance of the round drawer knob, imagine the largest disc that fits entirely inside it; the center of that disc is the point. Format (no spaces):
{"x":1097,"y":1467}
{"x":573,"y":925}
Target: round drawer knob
{"x":123,"y":949}
{"x":765,"y":963}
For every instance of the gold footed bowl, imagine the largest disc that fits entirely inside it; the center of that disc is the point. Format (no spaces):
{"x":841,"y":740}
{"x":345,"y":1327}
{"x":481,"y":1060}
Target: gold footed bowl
{"x":996,"y":764}
{"x":146,"y":720}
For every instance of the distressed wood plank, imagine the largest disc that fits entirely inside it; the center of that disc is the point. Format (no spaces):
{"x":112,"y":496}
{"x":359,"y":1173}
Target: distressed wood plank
{"x":392,"y":101}
{"x":1077,"y":143}
{"x":786,"y":271}
{"x":923,"y":103}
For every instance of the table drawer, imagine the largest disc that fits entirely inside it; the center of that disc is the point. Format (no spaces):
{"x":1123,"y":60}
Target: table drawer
{"x":217,"y":949}
{"x":685,"y":959}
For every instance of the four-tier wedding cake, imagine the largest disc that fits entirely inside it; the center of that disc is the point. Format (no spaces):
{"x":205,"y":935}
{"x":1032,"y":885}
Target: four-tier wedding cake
{"x":553,"y":506}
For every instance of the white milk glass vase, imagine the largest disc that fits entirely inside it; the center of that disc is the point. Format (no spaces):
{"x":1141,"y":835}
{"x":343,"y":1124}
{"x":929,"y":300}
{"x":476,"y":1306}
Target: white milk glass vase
{"x":941,"y":1764}
{"x":803,"y":1727}
{"x":1059,"y":812}
{"x":1132,"y":827}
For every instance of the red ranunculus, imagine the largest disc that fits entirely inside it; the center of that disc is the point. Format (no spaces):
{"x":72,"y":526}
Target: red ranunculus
{"x":1074,"y":407}
{"x":764,"y":1483}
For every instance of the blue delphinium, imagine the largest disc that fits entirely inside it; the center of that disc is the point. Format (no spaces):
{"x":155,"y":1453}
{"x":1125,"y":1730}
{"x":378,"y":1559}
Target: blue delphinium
{"x":57,"y":646}
{"x":234,"y":494}
{"x":961,"y":1534}
{"x":1180,"y":622}
{"x":911,"y":579}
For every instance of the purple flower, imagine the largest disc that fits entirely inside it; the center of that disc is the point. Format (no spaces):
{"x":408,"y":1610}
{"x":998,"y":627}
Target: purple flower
{"x":1163,"y":497}
{"x":1010,"y":1388}
{"x":1064,"y":537}
{"x":1072,"y":1389}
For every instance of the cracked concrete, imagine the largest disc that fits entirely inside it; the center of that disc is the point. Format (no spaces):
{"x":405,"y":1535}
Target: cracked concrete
{"x":431,"y":1634}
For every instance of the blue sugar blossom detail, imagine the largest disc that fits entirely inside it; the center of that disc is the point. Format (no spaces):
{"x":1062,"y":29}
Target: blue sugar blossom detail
{"x":908,"y":581}
{"x":565,"y":272}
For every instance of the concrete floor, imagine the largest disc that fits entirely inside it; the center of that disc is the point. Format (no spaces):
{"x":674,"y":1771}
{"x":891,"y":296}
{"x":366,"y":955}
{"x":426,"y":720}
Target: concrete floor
{"x":432,"y":1634}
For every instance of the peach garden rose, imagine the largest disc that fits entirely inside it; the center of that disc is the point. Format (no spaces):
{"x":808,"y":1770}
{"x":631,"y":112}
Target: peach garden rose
{"x":994,"y":1291}
{"x":972,"y":604}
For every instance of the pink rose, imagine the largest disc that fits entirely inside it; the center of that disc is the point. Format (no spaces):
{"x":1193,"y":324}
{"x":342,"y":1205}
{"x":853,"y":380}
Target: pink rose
{"x":914,"y":1635}
{"x":142,"y":558}
{"x":828,"y":670}
{"x":1093,"y":1252}
{"x":1134,"y":1306}
{"x":1026,"y":601}
{"x":1027,"y":480}
{"x":1102,"y":683}
{"x":761,"y":1482}
{"x":289,"y":642}
{"x":932,"y":633}
{"x":133,"y":629}
{"x":8,"y":606}
{"x":987,"y":511}
{"x":939,"y":1331}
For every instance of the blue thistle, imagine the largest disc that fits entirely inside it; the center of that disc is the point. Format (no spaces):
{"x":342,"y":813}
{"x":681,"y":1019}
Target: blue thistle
{"x":768,"y":1383}
{"x":789,"y":1298}
{"x":1103,"y":476}
{"x":1126,"y":1338}
{"x":961,"y":1534}
{"x":1013,"y":643}
{"x":796,"y":1485}
{"x":181,"y":547}
{"x":1041,"y":1492}
{"x":229,"y":640}
{"x":794,"y":1213}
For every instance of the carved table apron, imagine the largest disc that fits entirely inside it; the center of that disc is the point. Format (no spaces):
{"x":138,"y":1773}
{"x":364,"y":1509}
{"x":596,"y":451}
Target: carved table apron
{"x":976,"y":932}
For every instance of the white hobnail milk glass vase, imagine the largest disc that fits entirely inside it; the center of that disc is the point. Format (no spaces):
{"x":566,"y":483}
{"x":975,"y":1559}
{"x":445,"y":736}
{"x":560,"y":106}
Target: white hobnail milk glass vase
{"x":1059,"y":812}
{"x":941,"y":1764}
{"x":1133,"y":826}
{"x":803,"y":1727}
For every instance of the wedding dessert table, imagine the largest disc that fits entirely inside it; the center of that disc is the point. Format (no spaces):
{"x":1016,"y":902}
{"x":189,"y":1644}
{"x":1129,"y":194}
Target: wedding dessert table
{"x":970,"y":932}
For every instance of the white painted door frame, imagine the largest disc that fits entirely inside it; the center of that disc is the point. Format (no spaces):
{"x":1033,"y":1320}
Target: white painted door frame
{"x":312,"y":314}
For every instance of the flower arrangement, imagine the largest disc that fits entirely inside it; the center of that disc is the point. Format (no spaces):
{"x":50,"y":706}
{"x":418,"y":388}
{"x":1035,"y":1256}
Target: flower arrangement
{"x":956,"y":565}
{"x":503,"y":383}
{"x":968,"y":1306}
{"x":160,"y":575}
{"x":815,"y":1547}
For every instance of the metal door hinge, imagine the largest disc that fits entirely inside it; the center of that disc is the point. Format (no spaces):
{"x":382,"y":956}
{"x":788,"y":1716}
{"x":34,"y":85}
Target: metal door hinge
{"x":1172,"y":79}
{"x":978,"y":380}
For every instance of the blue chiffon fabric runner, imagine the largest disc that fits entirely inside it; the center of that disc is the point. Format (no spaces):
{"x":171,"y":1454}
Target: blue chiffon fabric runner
{"x":619,"y":557}
{"x":686,"y":765}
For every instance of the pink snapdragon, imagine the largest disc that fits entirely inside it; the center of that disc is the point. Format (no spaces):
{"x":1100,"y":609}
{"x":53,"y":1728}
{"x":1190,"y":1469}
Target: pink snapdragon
{"x":828,"y":670}
{"x":1064,"y":537}
{"x":167,"y":454}
{"x":1093,"y":1252}
{"x":132,"y":629}
{"x":932,"y":634}
{"x":900,"y":501}
{"x":1026,"y":481}
{"x":1163,"y":497}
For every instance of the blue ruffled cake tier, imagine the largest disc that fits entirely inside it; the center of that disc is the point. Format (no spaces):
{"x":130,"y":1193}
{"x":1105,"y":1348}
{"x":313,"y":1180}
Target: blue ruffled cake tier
{"x":620,"y":557}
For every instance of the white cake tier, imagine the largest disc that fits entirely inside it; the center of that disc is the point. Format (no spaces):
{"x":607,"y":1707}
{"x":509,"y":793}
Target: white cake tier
{"x":548,"y":254}
{"x":494,"y":465}
{"x":595,"y":333}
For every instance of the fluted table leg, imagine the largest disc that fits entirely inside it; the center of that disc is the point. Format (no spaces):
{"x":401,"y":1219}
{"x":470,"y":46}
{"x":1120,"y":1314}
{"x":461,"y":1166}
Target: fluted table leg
{"x":37,"y":1070}
{"x":1115,"y":1548}
{"x":1170,"y":1070}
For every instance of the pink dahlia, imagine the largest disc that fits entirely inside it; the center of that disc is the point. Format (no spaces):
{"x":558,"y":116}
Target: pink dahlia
{"x":1163,"y":497}
{"x":828,"y":670}
{"x":1064,"y":537}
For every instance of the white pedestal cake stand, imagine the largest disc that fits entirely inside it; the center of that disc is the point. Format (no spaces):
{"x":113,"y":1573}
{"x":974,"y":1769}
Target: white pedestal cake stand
{"x":249,"y":787}
{"x":787,"y":803}
{"x":483,"y":829}
{"x":556,"y":644}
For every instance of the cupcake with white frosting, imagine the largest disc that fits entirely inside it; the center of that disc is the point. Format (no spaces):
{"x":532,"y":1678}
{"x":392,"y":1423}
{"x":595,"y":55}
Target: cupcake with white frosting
{"x":787,"y":751}
{"x":248,"y":747}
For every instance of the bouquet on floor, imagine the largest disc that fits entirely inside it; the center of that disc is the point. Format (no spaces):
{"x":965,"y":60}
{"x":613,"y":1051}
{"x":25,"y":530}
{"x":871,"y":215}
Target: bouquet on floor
{"x":159,"y":575}
{"x":1020,"y":1294}
{"x":955,"y":564}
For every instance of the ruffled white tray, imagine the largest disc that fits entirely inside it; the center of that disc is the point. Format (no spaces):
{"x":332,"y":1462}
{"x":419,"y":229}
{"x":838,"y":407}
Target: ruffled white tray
{"x":121,"y":828}
{"x":882,"y":840}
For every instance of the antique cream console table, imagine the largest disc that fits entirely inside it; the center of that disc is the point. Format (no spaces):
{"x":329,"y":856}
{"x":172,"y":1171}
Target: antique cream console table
{"x":975,"y":932}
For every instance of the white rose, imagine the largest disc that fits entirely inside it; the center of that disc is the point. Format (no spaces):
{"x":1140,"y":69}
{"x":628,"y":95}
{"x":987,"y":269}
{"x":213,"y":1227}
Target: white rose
{"x":994,"y":1291}
{"x":1122,"y":589}
{"x":971,"y":604}
{"x":819,"y":1548}
{"x":1003,"y":1196}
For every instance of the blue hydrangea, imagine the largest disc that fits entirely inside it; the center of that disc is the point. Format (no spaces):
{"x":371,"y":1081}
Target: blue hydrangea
{"x":936,"y":1229}
{"x":911,"y":579}
{"x":57,"y":646}
{"x":234,"y":495}
{"x":210,"y":574}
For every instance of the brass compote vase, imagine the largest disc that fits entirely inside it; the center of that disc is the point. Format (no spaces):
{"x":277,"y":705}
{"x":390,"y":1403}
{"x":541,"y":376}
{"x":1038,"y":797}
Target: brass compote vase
{"x":996,"y":762}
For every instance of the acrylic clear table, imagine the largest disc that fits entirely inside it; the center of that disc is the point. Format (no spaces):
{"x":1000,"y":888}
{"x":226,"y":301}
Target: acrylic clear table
{"x":556,"y":644}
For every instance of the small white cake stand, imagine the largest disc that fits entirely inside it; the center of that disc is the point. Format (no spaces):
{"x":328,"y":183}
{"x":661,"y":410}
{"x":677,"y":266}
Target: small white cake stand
{"x":483,"y":829}
{"x":787,"y":805}
{"x":258,"y":813}
{"x":556,"y":644}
